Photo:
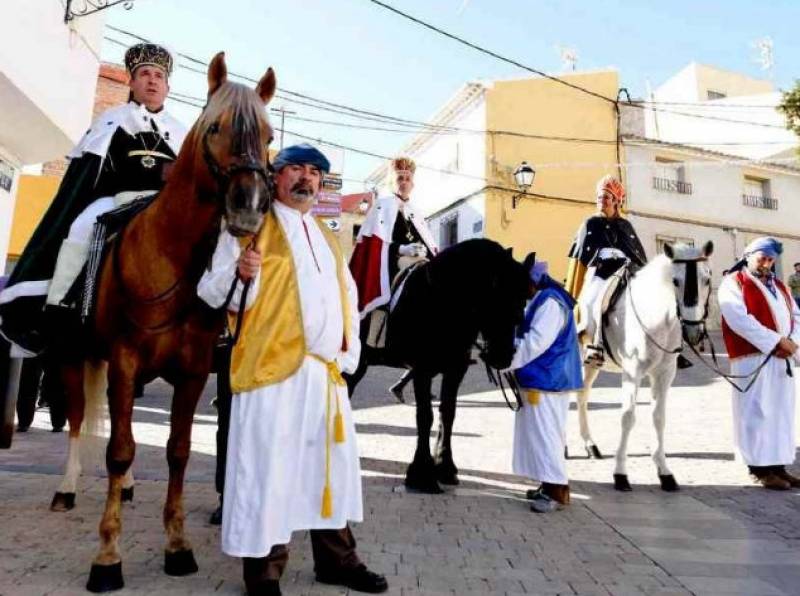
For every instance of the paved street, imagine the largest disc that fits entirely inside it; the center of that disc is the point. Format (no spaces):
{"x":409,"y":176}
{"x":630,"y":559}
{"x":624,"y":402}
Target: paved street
{"x":719,"y":535}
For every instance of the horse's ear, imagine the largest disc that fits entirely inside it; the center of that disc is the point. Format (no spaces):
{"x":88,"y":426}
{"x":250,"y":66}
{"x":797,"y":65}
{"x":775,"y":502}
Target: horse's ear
{"x":266,"y":86}
{"x":217,"y":73}
{"x":708,"y":248}
{"x":668,"y":250}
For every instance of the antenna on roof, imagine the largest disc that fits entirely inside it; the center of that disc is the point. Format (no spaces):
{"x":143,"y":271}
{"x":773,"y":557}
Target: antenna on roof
{"x":765,"y":58}
{"x":569,"y":58}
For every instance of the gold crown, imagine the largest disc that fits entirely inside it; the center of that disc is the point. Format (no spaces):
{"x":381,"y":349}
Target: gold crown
{"x":143,"y":54}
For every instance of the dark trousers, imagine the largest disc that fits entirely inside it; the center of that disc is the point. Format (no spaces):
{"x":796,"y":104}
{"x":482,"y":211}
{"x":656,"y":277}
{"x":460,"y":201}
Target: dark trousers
{"x":333,"y":550}
{"x":762,"y":471}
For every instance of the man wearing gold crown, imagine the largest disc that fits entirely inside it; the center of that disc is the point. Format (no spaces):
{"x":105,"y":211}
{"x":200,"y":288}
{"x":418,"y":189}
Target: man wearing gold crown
{"x":122,"y":156}
{"x":603,"y":244}
{"x":292,"y":461}
{"x":393,"y":237}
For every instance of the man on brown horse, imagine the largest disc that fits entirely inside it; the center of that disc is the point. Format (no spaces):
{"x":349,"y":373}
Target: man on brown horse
{"x":292,"y":461}
{"x":122,"y":155}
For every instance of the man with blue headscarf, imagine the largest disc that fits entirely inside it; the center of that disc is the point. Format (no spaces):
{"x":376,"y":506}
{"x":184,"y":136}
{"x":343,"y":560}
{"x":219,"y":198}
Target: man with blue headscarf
{"x":761,"y":323}
{"x":292,"y":460}
{"x":547,"y":367}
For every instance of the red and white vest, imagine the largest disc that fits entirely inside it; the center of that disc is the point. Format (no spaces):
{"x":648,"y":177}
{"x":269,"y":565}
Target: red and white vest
{"x":756,"y":304}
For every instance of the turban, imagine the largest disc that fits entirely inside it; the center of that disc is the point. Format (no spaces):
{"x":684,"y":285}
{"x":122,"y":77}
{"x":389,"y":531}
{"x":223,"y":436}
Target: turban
{"x":299,"y":155}
{"x":767,"y":245}
{"x":537,"y":271}
{"x":148,"y":54}
{"x":609,"y":184}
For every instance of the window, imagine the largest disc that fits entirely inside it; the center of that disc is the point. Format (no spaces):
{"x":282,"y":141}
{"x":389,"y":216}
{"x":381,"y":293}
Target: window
{"x":711,"y":94}
{"x":662,"y":240}
{"x":477,"y":227}
{"x":756,"y":193}
{"x":448,"y":231}
{"x":670,"y":176}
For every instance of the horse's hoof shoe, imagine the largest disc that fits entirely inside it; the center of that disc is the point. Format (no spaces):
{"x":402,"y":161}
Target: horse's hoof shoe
{"x":621,"y":483}
{"x":594,"y":452}
{"x":668,"y":483}
{"x":127,"y":494}
{"x":62,"y":502}
{"x":179,"y":563}
{"x":105,"y":578}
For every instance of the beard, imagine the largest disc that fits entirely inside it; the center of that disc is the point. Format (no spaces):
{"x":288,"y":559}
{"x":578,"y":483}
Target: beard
{"x":302,"y":193}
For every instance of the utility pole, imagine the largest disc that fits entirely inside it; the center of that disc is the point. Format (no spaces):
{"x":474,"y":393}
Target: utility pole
{"x":283,"y":111}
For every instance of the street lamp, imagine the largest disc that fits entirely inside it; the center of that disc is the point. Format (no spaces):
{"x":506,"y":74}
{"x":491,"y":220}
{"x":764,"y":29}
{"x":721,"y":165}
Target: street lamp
{"x":523,"y":176}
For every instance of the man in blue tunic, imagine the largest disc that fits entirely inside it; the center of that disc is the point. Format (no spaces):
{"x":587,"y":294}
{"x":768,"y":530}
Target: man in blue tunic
{"x":547,"y":367}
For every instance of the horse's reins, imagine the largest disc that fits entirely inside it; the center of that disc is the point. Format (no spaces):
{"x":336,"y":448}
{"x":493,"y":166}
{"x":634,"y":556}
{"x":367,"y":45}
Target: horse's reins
{"x":496,"y":378}
{"x":753,"y":376}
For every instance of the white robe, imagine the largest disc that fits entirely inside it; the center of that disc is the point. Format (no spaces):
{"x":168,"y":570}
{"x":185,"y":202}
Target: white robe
{"x":276,"y":447}
{"x":763,"y":417}
{"x":539,"y":429}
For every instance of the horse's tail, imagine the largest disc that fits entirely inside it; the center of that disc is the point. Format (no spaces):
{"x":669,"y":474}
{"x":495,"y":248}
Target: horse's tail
{"x":95,"y":413}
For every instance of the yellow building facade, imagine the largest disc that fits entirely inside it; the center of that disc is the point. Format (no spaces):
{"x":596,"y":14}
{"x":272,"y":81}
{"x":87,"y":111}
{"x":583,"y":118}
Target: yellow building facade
{"x":565,"y":170}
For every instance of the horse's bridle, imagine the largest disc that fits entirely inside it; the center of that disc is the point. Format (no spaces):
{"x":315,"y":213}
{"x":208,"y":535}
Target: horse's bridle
{"x":223,"y":175}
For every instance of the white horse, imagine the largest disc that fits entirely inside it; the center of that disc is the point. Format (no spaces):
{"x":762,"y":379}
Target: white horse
{"x":664,"y":301}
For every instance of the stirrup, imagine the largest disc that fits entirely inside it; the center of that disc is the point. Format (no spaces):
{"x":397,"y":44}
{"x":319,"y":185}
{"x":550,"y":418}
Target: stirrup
{"x":594,"y":356}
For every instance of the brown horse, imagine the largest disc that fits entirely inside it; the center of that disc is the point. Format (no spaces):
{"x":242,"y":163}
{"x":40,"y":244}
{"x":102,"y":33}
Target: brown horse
{"x":149,"y":321}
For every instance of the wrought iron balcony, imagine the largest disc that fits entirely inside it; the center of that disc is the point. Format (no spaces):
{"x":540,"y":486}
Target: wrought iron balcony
{"x":683,"y":188}
{"x":759,"y":202}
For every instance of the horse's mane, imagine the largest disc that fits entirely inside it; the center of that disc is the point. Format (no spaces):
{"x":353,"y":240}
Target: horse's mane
{"x":659,"y":270}
{"x":246,"y":112}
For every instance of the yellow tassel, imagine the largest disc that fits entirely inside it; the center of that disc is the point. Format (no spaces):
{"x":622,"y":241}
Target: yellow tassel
{"x":327,"y":502}
{"x":338,"y":428}
{"x":533,"y":397}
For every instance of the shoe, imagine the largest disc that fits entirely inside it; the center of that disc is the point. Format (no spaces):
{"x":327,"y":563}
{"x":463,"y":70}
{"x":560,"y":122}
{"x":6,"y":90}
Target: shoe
{"x":267,"y":587}
{"x":774,"y":482}
{"x":793,"y":481}
{"x":541,"y":503}
{"x":359,"y":579}
{"x":594,"y":357}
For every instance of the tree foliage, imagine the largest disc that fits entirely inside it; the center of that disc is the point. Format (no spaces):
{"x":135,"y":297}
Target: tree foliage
{"x":790,"y":106}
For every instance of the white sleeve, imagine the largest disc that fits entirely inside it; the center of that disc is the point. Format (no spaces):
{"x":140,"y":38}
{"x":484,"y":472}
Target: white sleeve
{"x":731,"y":305}
{"x":348,"y":361}
{"x":216,"y":282}
{"x":547,"y":323}
{"x":795,"y":334}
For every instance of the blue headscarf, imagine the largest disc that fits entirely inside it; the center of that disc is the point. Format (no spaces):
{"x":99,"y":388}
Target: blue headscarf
{"x":537,"y":271}
{"x":299,"y":155}
{"x":769,"y":246}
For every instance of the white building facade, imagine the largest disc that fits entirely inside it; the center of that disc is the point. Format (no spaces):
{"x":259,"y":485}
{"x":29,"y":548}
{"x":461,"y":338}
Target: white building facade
{"x":48,"y":73}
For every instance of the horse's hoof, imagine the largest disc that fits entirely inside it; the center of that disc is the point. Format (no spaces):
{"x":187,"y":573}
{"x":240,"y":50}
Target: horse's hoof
{"x":216,"y":517}
{"x":179,"y":563}
{"x":127,"y":494}
{"x":22,"y":429}
{"x":593,"y":452}
{"x":62,"y":502}
{"x":668,"y":483}
{"x":105,"y":578}
{"x":447,"y":474}
{"x":430,"y":487}
{"x":621,"y":483}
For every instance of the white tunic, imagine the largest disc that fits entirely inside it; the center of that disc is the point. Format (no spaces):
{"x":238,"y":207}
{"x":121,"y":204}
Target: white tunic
{"x":539,"y":429}
{"x":763,"y":417}
{"x":276,"y":446}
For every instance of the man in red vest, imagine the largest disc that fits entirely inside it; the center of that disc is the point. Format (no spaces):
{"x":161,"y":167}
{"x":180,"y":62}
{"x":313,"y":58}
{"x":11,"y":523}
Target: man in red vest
{"x":760,"y":321}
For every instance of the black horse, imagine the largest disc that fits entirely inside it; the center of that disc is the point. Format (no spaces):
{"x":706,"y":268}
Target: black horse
{"x":475,"y":287}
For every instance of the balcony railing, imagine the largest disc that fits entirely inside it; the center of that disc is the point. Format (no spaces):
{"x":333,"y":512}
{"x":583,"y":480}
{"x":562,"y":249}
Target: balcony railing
{"x":759,"y":202}
{"x":684,"y":188}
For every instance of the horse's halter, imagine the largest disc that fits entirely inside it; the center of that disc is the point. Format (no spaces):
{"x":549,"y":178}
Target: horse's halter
{"x":691,"y":293}
{"x":223,"y":175}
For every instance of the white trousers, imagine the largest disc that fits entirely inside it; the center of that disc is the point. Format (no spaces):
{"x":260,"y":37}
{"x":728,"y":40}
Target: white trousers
{"x":539,"y":439}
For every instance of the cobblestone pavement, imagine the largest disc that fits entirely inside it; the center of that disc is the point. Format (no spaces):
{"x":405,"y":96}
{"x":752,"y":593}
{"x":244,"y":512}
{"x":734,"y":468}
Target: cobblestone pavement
{"x":719,"y":535}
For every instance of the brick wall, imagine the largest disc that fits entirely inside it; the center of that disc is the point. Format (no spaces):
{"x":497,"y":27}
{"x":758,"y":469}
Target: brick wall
{"x":112,"y":90}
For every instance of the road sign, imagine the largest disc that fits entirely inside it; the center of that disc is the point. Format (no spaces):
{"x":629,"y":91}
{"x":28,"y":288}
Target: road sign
{"x":326,"y":210}
{"x":333,"y":198}
{"x":331,"y":183}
